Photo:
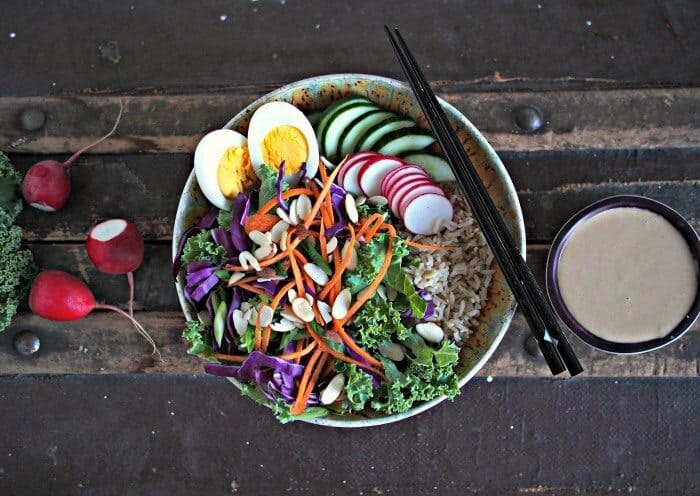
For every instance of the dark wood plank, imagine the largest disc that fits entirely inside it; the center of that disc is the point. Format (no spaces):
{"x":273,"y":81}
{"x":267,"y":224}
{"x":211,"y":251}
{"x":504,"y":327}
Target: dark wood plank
{"x":154,"y":46}
{"x":552,"y":186}
{"x":627,"y":119}
{"x":160,"y":436}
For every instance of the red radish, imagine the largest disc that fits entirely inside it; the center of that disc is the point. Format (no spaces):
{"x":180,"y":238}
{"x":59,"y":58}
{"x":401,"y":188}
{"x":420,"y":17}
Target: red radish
{"x":416,"y":191}
{"x":404,"y":179}
{"x":350,"y":182}
{"x":373,"y":172}
{"x":389,"y":177}
{"x":425,"y":214}
{"x":349,"y":161}
{"x":397,"y":177}
{"x":401,"y":191}
{"x":57,"y":295}
{"x":46,"y":185}
{"x":115,"y":246}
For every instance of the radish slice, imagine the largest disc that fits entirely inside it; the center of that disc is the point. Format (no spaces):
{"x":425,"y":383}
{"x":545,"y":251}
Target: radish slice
{"x":403,"y":180}
{"x":426,"y":214}
{"x":373,"y":172}
{"x":352,"y":159}
{"x":405,"y":198}
{"x":350,"y":179}
{"x":388,"y":178}
{"x":401,"y":191}
{"x":410,"y":170}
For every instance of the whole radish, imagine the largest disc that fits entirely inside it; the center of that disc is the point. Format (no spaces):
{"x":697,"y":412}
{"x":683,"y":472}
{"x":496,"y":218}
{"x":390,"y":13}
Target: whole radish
{"x":115,"y":246}
{"x":46,"y":185}
{"x":57,"y":295}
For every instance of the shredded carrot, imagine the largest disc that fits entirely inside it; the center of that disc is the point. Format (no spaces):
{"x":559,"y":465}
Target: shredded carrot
{"x":272,"y":203}
{"x":335,"y":289}
{"x":324,"y":212}
{"x":343,"y":265}
{"x":267,"y":261}
{"x":322,"y":171}
{"x":267,"y":332}
{"x":322,"y":345}
{"x":258,"y":335}
{"x":322,"y":241}
{"x":424,"y":246}
{"x":310,"y":386}
{"x":300,"y":352}
{"x":373,"y":230}
{"x":260,"y":222}
{"x":319,"y":199}
{"x":299,"y":347}
{"x":295,"y":267}
{"x":350,"y":343}
{"x":330,"y":365}
{"x":300,"y":404}
{"x":369,"y":222}
{"x":252,"y":289}
{"x":367,"y":293}
{"x":230,"y":358}
{"x":245,"y":280}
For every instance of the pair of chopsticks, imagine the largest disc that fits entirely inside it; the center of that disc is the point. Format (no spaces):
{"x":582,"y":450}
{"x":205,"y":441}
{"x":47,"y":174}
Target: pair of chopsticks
{"x":538,"y":312}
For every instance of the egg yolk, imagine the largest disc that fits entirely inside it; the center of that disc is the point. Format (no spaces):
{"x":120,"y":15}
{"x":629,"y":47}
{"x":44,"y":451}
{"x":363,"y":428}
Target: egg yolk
{"x":235,"y":173}
{"x":288,"y":144}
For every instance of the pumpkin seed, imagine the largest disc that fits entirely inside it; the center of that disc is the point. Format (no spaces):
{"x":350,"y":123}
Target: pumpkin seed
{"x":265,"y":315}
{"x":331,"y":245}
{"x":204,"y":317}
{"x":302,"y":309}
{"x":332,"y":391}
{"x":430,"y":331}
{"x":235,"y":277}
{"x":393,"y":351}
{"x":303,"y":207}
{"x":278,"y":230}
{"x":351,"y":209}
{"x":316,"y":273}
{"x":325,"y":311}
{"x":341,"y":305}
{"x":240,"y":322}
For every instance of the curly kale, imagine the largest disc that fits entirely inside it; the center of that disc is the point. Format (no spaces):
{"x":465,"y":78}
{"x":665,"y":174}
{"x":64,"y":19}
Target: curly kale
{"x":377,"y":322}
{"x":202,"y":247}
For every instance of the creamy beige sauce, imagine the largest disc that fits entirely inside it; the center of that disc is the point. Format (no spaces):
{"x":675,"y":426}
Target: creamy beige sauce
{"x":627,"y":275}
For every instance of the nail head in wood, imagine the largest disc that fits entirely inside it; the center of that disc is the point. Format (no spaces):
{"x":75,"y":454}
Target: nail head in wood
{"x":32,"y":119}
{"x":531,"y":346}
{"x":528,"y":118}
{"x":26,"y":343}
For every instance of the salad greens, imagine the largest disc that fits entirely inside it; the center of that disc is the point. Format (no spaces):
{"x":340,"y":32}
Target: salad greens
{"x":378,"y":322}
{"x":17,"y":269}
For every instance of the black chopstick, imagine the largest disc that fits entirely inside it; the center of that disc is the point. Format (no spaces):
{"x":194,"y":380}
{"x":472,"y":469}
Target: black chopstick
{"x":543,"y":323}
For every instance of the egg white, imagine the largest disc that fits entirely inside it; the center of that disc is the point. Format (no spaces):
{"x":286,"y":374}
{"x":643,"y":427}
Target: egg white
{"x":207,"y":156}
{"x":274,"y":114}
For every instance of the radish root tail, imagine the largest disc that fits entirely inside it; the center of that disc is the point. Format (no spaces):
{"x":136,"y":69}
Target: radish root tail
{"x":136,"y":324}
{"x":130,"y":277}
{"x":73,"y":157}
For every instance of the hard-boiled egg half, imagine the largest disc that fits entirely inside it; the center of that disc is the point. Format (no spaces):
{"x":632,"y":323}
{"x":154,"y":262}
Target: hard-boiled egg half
{"x":278,"y":131}
{"x":222,"y":166}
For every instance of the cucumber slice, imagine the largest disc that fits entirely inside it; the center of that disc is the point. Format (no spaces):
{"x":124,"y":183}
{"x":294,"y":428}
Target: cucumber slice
{"x":357,"y":129}
{"x":435,"y":165}
{"x":314,"y":117}
{"x":401,"y":142}
{"x":376,"y":133}
{"x":339,"y":123}
{"x":330,"y":112}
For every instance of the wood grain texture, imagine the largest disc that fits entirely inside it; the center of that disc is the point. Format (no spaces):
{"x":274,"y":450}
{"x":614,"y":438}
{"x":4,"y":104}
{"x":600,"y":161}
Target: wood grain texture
{"x":174,"y":46}
{"x":623,"y":119}
{"x":106,"y":344}
{"x":552,"y":186}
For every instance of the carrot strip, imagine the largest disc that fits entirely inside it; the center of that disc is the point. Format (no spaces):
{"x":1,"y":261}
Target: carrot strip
{"x":295,"y":267}
{"x":267,"y":261}
{"x":298,"y":349}
{"x":422,"y":246}
{"x":230,"y":358}
{"x":350,"y":343}
{"x":322,"y":345}
{"x":373,"y":230}
{"x":300,"y":352}
{"x":322,"y":171}
{"x":329,"y":368}
{"x":369,"y":221}
{"x":258,"y":335}
{"x":299,"y":404}
{"x":267,"y":332}
{"x":369,"y":291}
{"x":287,"y":194}
{"x":322,"y":195}
{"x":338,"y":273}
{"x":252,"y":289}
{"x":322,"y":241}
{"x":335,"y":289}
{"x":310,"y":386}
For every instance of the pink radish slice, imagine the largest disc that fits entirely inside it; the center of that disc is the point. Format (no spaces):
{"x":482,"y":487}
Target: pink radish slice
{"x":402,"y":191}
{"x":352,"y":159}
{"x":350,"y":179}
{"x":373,"y":172}
{"x":389,"y":177}
{"x":426,"y":212}
{"x":423,"y":189}
{"x":403,"y":180}
{"x":397,"y":177}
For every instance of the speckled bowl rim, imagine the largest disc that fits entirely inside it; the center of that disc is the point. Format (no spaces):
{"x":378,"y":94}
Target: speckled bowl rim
{"x":510,"y":196}
{"x":583,"y":216}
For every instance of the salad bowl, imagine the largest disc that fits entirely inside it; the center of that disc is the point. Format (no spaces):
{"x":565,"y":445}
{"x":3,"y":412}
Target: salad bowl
{"x":317,"y":93}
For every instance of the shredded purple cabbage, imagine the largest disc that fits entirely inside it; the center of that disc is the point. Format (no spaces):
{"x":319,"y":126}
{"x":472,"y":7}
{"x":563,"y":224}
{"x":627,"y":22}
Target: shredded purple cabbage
{"x":202,"y":290}
{"x":278,"y":186}
{"x":302,"y":170}
{"x":238,"y":235}
{"x":246,"y":209}
{"x":230,"y":334}
{"x":207,"y":221}
{"x":223,"y":238}
{"x":199,"y":276}
{"x":177,"y":262}
{"x":270,"y":287}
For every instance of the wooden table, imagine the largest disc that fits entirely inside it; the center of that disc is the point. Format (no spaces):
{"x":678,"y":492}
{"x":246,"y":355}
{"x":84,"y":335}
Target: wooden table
{"x":92,"y":413}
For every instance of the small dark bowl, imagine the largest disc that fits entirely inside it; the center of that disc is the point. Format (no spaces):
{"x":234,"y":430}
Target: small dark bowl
{"x":562,"y":237}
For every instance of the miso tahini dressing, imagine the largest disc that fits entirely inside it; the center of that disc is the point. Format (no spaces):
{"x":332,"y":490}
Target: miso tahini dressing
{"x":627,"y":275}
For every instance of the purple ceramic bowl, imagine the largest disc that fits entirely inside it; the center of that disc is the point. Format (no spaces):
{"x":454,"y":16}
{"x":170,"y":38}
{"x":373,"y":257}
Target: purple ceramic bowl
{"x":563,"y":236}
